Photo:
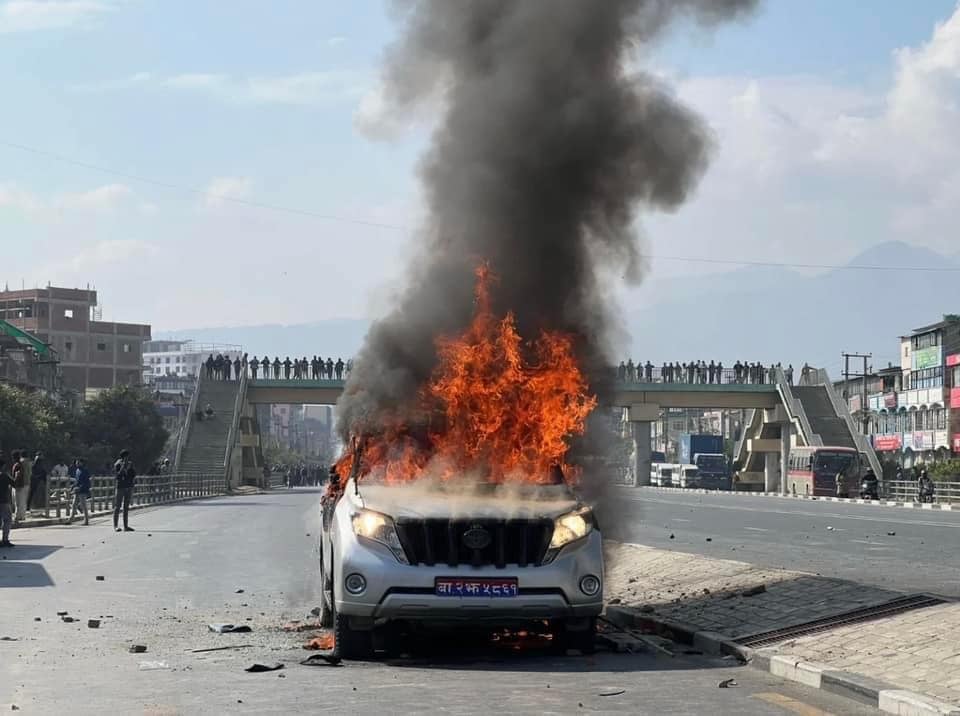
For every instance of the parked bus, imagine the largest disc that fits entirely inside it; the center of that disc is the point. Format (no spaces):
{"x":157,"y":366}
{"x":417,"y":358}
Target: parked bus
{"x":813,"y":471}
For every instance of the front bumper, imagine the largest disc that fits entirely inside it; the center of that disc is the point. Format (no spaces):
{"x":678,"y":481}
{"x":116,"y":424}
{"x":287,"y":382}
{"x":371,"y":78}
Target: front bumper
{"x":399,"y":591}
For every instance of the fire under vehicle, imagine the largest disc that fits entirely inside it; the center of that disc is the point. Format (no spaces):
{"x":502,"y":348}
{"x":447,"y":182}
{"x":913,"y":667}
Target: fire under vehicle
{"x":447,"y":556}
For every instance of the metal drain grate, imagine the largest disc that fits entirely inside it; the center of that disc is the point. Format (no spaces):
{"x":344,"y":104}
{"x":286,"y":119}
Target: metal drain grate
{"x":865,"y":614}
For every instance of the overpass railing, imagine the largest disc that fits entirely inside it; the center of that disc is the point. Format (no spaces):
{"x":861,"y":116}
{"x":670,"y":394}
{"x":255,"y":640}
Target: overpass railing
{"x":694,"y":376}
{"x":906,"y":490}
{"x":187,"y":422}
{"x":147,"y":490}
{"x":234,"y":427}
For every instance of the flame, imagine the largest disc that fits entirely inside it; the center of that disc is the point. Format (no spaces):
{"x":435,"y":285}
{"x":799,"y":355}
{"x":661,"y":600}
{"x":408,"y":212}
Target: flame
{"x":496,"y":407}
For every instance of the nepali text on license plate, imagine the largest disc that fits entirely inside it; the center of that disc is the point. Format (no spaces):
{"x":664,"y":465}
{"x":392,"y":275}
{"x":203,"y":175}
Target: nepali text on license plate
{"x":490,"y":588}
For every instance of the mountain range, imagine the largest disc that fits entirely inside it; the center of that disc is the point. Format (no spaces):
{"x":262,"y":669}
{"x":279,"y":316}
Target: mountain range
{"x":765,"y":313}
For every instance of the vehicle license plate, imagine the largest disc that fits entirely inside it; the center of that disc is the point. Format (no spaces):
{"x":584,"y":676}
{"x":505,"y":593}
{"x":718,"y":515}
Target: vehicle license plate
{"x":487,"y":588}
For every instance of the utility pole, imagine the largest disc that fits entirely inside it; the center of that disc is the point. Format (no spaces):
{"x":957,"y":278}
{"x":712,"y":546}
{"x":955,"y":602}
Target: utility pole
{"x":847,"y":375}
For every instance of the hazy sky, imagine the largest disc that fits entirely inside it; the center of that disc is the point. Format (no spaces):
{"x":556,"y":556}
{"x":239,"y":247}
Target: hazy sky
{"x":835,"y":122}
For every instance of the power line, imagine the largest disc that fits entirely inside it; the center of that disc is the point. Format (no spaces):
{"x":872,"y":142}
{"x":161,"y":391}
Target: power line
{"x":398,"y":227}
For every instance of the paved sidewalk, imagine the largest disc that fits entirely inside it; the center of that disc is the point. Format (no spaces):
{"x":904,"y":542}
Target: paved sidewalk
{"x":945,"y":506}
{"x":915,"y":651}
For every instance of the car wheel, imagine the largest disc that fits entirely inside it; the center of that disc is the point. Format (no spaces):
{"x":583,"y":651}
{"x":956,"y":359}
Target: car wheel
{"x":578,"y":634}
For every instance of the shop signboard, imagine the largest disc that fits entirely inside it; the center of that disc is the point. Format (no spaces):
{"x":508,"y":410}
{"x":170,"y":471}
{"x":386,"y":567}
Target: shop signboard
{"x":923,"y":440}
{"x":953,"y":360}
{"x":855,"y":404}
{"x":889,"y":400}
{"x":927,"y":358}
{"x":955,"y":397}
{"x":941,"y":439}
{"x":887,"y":443}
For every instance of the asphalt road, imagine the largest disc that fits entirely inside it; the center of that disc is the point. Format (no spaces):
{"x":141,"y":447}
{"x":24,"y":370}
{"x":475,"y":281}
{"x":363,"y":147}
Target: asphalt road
{"x":847,"y":541}
{"x":183,"y":569}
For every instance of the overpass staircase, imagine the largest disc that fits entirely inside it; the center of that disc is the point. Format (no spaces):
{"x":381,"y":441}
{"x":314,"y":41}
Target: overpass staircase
{"x":207,"y":445}
{"x":818,"y":417}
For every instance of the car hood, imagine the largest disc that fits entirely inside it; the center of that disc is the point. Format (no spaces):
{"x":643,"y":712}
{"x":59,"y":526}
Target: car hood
{"x":421,"y":502}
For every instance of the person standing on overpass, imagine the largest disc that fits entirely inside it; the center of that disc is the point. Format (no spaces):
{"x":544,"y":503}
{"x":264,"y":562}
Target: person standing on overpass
{"x":339,"y":368}
{"x":329,"y":368}
{"x":276,"y":367}
{"x":254,"y":368}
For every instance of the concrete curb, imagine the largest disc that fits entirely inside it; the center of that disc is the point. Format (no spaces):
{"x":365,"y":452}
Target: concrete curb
{"x":858,"y":687}
{"x":53,"y":521}
{"x":855,"y":501}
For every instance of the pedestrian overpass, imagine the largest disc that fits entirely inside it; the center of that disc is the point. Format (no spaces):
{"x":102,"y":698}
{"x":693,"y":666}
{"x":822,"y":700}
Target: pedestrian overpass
{"x":780,"y":416}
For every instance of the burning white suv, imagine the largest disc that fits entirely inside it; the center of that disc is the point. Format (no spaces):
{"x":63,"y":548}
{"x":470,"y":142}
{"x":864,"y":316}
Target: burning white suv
{"x":438,"y":555}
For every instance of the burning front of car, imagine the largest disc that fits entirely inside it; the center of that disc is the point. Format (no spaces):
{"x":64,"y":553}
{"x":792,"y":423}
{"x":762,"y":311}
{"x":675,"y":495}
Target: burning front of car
{"x":471,"y":514}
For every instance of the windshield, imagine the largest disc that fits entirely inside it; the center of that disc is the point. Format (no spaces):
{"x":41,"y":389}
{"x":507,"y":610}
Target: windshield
{"x":834,"y":462}
{"x":711,"y":462}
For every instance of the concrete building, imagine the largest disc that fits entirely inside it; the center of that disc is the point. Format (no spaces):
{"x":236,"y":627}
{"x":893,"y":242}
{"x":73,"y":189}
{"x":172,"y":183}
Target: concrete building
{"x":181,"y":358}
{"x":94,"y":355}
{"x":911,"y":411}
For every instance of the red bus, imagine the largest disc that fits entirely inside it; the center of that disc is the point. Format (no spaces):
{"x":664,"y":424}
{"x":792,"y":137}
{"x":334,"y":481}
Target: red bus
{"x":813,"y":471}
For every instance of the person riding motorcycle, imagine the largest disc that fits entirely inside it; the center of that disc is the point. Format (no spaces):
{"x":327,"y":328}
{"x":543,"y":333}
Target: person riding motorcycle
{"x":925,"y":488}
{"x":869,"y":486}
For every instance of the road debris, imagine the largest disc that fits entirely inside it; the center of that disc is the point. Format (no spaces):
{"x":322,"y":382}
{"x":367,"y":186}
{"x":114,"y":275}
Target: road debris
{"x":100,"y":578}
{"x":315,"y":612}
{"x":67,"y":620}
{"x":322,"y":660}
{"x":260,"y":668}
{"x":138,"y":649}
{"x":62,"y":614}
{"x":829,"y":528}
{"x":891,"y":534}
{"x":222,"y":648}
{"x":93,"y":623}
{"x":239,"y":591}
{"x":154,"y":666}
{"x":38,"y":619}
{"x":8,"y":638}
{"x":709,"y":539}
{"x":229,"y":628}
{"x":616,"y":692}
{"x":728,"y":684}
{"x":754,"y":591}
{"x":672,"y":536}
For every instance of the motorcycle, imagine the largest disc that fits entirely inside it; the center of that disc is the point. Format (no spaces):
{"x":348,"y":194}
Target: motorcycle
{"x":869,"y":489}
{"x":925,"y":493}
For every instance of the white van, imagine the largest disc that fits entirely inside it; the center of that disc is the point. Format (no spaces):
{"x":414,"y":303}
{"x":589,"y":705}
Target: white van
{"x":686,"y":475}
{"x":661,"y":474}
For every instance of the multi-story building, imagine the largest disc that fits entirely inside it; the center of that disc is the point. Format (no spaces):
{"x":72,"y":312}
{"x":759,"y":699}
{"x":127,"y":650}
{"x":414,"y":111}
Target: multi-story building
{"x":912,"y":411}
{"x":181,"y":358}
{"x":94,"y":355}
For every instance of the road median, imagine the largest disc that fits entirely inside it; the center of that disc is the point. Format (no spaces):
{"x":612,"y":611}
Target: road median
{"x":936,"y":506}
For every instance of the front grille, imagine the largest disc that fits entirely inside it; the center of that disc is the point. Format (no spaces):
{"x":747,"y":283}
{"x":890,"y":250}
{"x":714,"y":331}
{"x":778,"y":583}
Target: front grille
{"x":437,"y":541}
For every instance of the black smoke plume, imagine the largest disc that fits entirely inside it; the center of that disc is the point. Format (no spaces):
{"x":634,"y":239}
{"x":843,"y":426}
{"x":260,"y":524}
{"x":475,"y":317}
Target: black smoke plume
{"x":547,"y":147}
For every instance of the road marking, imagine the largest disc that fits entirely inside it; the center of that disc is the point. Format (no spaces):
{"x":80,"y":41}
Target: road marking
{"x":677,"y":519}
{"x":756,"y":529}
{"x":822,"y":515}
{"x":791,"y":705}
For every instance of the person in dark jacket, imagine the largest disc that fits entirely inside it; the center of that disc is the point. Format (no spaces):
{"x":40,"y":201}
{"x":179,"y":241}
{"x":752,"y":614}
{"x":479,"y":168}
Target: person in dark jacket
{"x":81,"y":491}
{"x":123,"y":469}
{"x":6,"y":504}
{"x":37,"y":497}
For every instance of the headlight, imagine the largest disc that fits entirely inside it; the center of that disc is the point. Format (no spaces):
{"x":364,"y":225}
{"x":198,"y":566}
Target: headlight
{"x":379,"y":528}
{"x":571,"y":527}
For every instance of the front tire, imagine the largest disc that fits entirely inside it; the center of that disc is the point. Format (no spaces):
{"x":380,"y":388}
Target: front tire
{"x":578,"y":634}
{"x":348,"y":643}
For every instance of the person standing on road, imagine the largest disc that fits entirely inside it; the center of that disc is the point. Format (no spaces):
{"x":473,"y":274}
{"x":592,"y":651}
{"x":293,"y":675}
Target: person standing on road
{"x":6,"y":504}
{"x":123,"y":469}
{"x":841,"y":484}
{"x":38,"y":484}
{"x":21,"y":481}
{"x":81,"y":492}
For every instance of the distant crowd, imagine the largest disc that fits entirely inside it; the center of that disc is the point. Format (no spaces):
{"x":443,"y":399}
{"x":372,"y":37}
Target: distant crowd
{"x":316,"y":368}
{"x":703,"y":373}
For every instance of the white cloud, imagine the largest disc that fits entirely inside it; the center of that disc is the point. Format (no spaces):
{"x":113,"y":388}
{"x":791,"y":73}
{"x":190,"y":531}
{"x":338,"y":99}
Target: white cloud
{"x":35,"y":15}
{"x":97,"y":258}
{"x":810,"y":168}
{"x":12,"y":197}
{"x":103,"y":199}
{"x":138,"y":79}
{"x":336,"y":41}
{"x":222,"y":189}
